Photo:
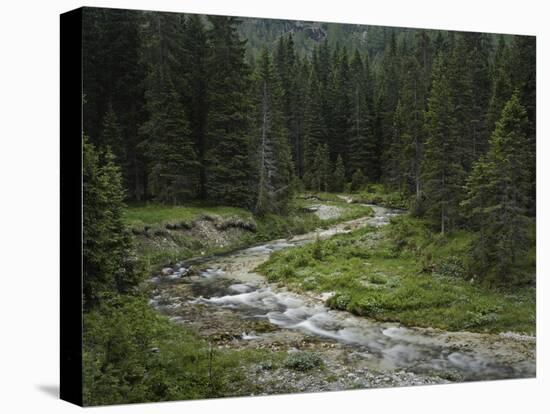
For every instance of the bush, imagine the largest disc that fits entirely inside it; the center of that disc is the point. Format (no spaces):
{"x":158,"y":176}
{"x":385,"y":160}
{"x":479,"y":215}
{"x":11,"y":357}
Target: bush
{"x":317,"y":249}
{"x":452,"y":266}
{"x":133,"y":354}
{"x":339,"y":301}
{"x":303,"y":361}
{"x":357,"y":180}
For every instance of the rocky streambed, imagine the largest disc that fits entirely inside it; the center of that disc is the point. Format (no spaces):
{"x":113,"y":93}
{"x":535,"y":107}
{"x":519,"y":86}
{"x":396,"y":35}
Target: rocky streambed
{"x":223,"y":299}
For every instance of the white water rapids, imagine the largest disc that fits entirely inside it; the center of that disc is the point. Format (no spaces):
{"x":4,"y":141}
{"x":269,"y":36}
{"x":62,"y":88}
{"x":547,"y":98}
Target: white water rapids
{"x":229,"y":283}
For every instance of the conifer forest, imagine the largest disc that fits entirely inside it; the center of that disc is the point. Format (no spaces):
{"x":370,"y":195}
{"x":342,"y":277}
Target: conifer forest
{"x":275,"y":206}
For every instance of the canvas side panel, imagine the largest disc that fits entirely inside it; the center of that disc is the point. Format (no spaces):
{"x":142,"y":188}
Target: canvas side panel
{"x":71,"y":206}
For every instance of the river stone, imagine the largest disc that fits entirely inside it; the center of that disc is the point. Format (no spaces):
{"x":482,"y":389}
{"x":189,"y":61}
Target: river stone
{"x":167,"y":271}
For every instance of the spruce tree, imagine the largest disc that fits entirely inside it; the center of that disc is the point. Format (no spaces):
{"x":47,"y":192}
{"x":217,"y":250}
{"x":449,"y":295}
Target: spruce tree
{"x":111,"y":136}
{"x":287,"y":71}
{"x":229,"y":166}
{"x":361,"y":145}
{"x":358,"y":180}
{"x":167,"y":143}
{"x":498,"y":196}
{"x":501,"y":87}
{"x":524,"y":79}
{"x":109,"y":263}
{"x":321,"y":174}
{"x":338,"y":180}
{"x":459,"y":73}
{"x":113,"y":75}
{"x":341,"y":103}
{"x":387,"y":98}
{"x":273,"y":152}
{"x":442,"y":170}
{"x":412,"y":98}
{"x":195,"y":47}
{"x":396,"y":162}
{"x":314,"y":128}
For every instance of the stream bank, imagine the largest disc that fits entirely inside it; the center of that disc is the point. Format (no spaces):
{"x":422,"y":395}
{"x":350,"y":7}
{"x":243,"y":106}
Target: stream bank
{"x":225,"y":301}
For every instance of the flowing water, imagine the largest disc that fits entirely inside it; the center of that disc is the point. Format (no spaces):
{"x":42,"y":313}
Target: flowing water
{"x":228,"y":297}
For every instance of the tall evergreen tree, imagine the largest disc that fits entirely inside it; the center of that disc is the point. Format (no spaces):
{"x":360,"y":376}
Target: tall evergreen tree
{"x":395,"y":159}
{"x":287,"y":70}
{"x":112,"y":135}
{"x":168,"y":144}
{"x":413,"y":98}
{"x":387,"y":96}
{"x":498,"y":195}
{"x":113,"y":75}
{"x":501,"y":87}
{"x":195,"y":46}
{"x":524,"y":61}
{"x":273,"y":152}
{"x":314,"y":126}
{"x":339,"y":176}
{"x":321,"y":174}
{"x":442,"y":169}
{"x":228,"y":158}
{"x":459,"y":74}
{"x":341,"y":120}
{"x":361,"y":145}
{"x":109,"y":263}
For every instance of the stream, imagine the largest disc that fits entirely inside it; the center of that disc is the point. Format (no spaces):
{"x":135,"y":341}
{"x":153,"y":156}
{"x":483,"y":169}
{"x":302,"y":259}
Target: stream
{"x":225,"y":300}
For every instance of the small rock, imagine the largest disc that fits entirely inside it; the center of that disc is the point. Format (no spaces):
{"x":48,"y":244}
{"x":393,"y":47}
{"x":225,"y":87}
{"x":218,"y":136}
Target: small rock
{"x":167,"y":271}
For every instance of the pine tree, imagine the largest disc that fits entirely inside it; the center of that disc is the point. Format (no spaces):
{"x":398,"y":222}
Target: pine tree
{"x":321,"y":172}
{"x":501,"y":88}
{"x":459,"y":73}
{"x":315,"y":130}
{"x":387,"y":96}
{"x":168,"y":145}
{"x":361,"y":147}
{"x":339,"y":176}
{"x":524,"y":78}
{"x":229,"y":166}
{"x":358,"y":180}
{"x":113,"y":75}
{"x":340,"y":128}
{"x":479,"y":50}
{"x":396,"y":163}
{"x":412,"y":98}
{"x":195,"y":46}
{"x":273,"y":151}
{"x":111,"y":136}
{"x":109,"y":263}
{"x":287,"y":70}
{"x":442,"y":169}
{"x":498,"y":195}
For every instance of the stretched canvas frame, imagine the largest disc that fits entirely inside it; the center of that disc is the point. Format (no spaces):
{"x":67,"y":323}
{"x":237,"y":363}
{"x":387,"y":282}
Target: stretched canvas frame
{"x":517,"y":346}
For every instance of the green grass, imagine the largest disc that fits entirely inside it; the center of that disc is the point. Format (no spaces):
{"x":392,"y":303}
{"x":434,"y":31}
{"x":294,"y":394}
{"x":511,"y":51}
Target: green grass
{"x":376,"y":194}
{"x":403,"y":273}
{"x":158,"y":214}
{"x":158,"y":244}
{"x":133,"y":354}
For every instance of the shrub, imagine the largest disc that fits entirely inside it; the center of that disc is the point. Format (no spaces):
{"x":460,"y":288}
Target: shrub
{"x":317,"y":249}
{"x":339,"y":301}
{"x":452,"y":266}
{"x":303,"y":361}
